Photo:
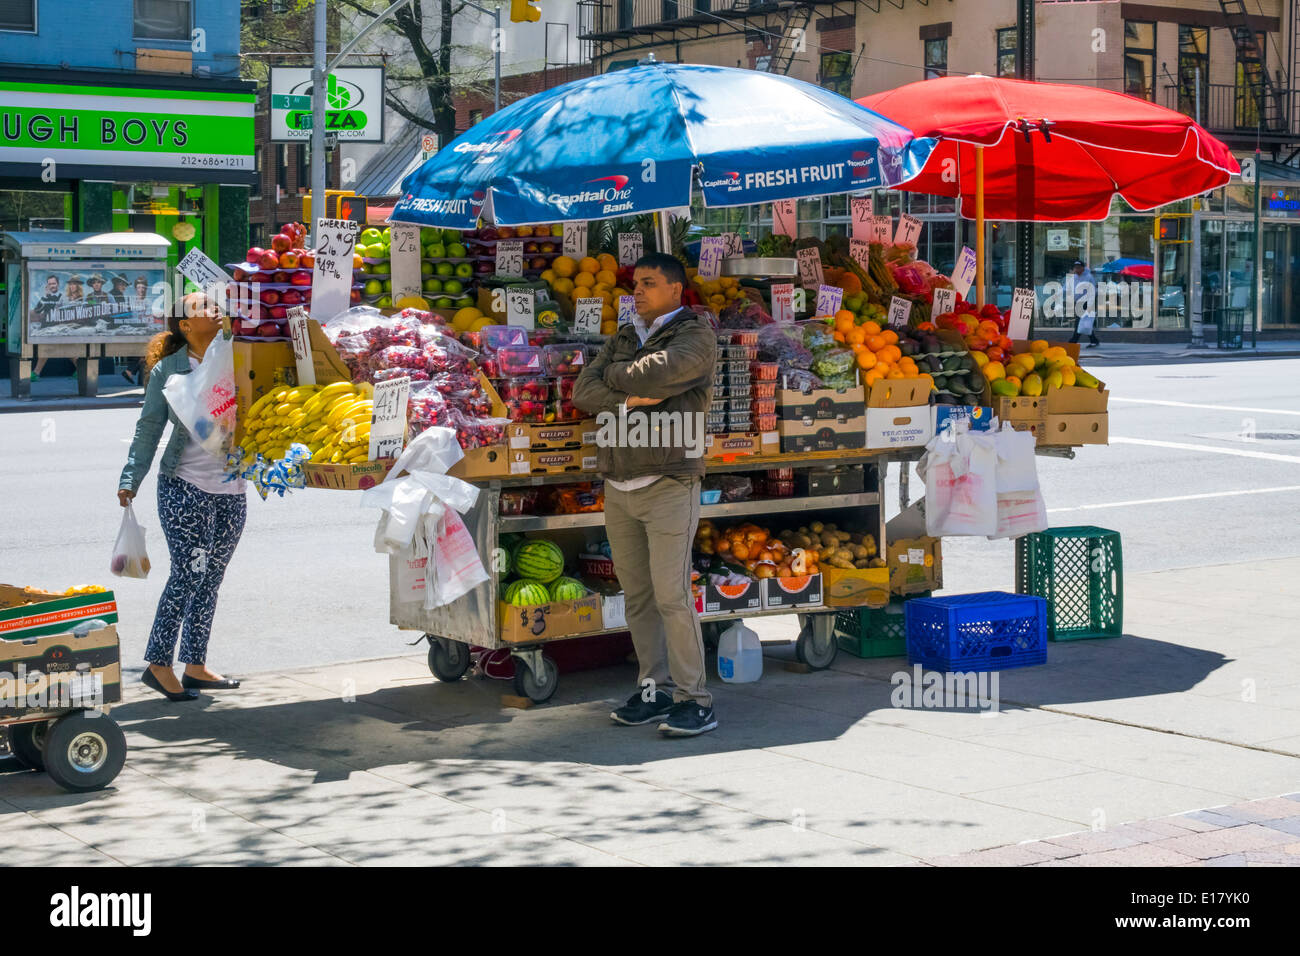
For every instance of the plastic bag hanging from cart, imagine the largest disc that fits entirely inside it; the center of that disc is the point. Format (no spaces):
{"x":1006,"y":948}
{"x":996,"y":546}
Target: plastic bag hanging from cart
{"x":129,"y":557}
{"x":1021,"y":509}
{"x":960,"y":473}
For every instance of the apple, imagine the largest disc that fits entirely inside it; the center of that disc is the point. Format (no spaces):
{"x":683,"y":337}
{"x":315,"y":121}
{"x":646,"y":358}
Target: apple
{"x":464,"y":270}
{"x":306,"y":260}
{"x":432,"y":285}
{"x":291,"y":297}
{"x":247,"y":327}
{"x":444,"y":269}
{"x":557,"y":230}
{"x":281,"y":276}
{"x":524,"y":231}
{"x":268,"y":329}
{"x":465,"y":301}
{"x":373,"y":287}
{"x":453,"y":287}
{"x":270,"y":297}
{"x":436,"y":251}
{"x":300,"y":278}
{"x":269,"y":261}
{"x":505,"y":232}
{"x":238,"y":273}
{"x":254,"y":254}
{"x":488,"y":233}
{"x":278,"y":312}
{"x":261,"y":276}
{"x":443,"y":303}
{"x":381,"y":268}
{"x":384,"y":303}
{"x":289,"y":260}
{"x":281,"y":243}
{"x":388,"y":285}
{"x":371,"y":235}
{"x":426,"y":268}
{"x":456,"y":251}
{"x":356,"y":296}
{"x":531,"y":248}
{"x":427,"y":235}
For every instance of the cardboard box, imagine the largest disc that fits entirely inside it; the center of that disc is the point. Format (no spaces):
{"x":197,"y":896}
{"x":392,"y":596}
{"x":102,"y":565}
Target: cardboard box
{"x":613,"y":610}
{"x":914,"y":565}
{"x":1076,"y":430}
{"x":554,"y":461}
{"x":520,"y":435}
{"x":726,"y":598}
{"x":489,"y":461}
{"x":728,"y":446}
{"x":1073,"y":400}
{"x":596,"y":566}
{"x":898,"y":414}
{"x":534,"y":623}
{"x":860,"y":587}
{"x":819,"y":403}
{"x":802,"y":591}
{"x":58,"y":672}
{"x":823,"y":435}
{"x":979,"y":418}
{"x":57,"y":615}
{"x":357,"y":477}
{"x":839,"y":480}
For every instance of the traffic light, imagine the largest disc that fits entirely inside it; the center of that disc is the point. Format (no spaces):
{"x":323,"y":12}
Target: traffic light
{"x":522,"y":10}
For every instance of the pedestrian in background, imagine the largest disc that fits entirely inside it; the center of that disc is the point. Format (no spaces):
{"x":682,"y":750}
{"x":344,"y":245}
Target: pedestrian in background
{"x":1085,"y":300}
{"x":202,"y":514}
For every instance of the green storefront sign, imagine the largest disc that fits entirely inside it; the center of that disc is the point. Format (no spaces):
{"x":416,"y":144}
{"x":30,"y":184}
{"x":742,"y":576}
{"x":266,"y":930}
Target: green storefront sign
{"x":60,"y":131}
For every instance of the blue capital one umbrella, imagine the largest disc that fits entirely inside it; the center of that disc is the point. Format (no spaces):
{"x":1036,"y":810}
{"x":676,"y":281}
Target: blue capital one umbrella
{"x":639,"y":140}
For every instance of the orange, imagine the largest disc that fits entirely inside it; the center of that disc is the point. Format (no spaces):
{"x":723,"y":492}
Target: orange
{"x":855,"y":337}
{"x":871,"y":378}
{"x":608,"y":313}
{"x":564,"y":286}
{"x":876,"y":341}
{"x":607,"y":262}
{"x":882,"y":366}
{"x":589,"y":264}
{"x":890,"y":336}
{"x":564,"y":267}
{"x":838,"y":337}
{"x":866,"y":359}
{"x":843,"y":321}
{"x":871,"y":327}
{"x":606,"y":277}
{"x":892,"y":354}
{"x":896,"y":373}
{"x":585,"y":279}
{"x":927,"y":378}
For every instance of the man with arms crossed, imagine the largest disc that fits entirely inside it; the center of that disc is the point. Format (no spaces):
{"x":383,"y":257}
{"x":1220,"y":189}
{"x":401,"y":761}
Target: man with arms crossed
{"x":661,"y":362}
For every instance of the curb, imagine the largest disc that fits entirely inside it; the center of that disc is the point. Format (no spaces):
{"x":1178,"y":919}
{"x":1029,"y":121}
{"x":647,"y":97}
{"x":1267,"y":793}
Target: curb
{"x":70,"y":404}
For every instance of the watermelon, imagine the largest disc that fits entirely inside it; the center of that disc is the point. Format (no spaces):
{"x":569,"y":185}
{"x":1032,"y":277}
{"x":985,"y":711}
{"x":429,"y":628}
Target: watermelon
{"x":523,"y":593}
{"x":539,"y":559}
{"x":567,"y":589}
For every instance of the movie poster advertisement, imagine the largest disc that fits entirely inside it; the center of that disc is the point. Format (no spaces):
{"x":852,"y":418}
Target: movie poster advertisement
{"x":101,"y":301}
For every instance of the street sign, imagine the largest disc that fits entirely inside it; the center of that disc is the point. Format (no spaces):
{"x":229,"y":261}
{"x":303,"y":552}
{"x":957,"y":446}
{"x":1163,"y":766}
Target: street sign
{"x":354,"y":104}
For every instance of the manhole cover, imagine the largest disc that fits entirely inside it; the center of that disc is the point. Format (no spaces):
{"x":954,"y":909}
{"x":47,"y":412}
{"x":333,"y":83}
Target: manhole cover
{"x":1277,"y":436}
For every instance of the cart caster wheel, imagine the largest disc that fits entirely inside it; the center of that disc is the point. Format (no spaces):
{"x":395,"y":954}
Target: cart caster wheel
{"x":536,"y":687}
{"x":817,"y":652}
{"x":84,"y":752}
{"x":449,"y":660}
{"x":26,"y":741}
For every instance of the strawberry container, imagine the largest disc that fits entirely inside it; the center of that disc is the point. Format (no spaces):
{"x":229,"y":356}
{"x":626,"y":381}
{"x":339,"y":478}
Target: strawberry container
{"x":565,"y":411}
{"x":764,"y":406}
{"x":518,"y":360}
{"x":531,"y":389}
{"x":563,"y":359}
{"x":492,"y":337}
{"x":564,"y":385}
{"x":744,"y":337}
{"x":763,"y":390}
{"x":765,"y":423}
{"x":764,"y":371}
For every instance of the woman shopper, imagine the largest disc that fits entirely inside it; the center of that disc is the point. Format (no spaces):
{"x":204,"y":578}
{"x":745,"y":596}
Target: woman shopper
{"x":202,"y":514}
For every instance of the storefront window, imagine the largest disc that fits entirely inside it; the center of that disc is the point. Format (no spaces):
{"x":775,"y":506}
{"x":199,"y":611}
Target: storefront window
{"x":1121,"y":257}
{"x":1241,"y":199}
{"x":24,"y":210}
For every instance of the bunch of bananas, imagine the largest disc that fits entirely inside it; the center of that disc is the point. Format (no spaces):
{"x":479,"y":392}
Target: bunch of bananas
{"x":333,"y":421}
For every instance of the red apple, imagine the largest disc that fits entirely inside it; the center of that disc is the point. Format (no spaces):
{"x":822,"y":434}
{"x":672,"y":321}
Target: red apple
{"x":270,"y":297}
{"x":238,"y":273}
{"x":487,"y":232}
{"x":269,"y":260}
{"x":300,"y":278}
{"x":289,"y":260}
{"x":281,"y":276}
{"x":281,"y":242}
{"x":356,"y":296}
{"x":306,"y":260}
{"x":261,"y":276}
{"x":254,"y":254}
{"x":278,"y":312}
{"x":268,"y":329}
{"x":291,"y":297}
{"x":306,"y":293}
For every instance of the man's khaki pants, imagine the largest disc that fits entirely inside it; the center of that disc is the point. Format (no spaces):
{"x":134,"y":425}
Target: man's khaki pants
{"x":650,"y":535}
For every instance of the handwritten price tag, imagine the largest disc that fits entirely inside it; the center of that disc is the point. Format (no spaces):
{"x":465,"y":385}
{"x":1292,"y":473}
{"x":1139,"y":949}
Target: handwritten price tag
{"x":331,"y":278}
{"x":945,"y":300}
{"x":301,"y":345}
{"x":829,"y":298}
{"x":510,"y":258}
{"x":909,"y":230}
{"x":964,"y":273}
{"x":586,"y":315}
{"x":783,"y":302}
{"x":201,"y":270}
{"x":405,"y":252}
{"x":860,"y":252}
{"x":388,"y":421}
{"x":861,"y":209}
{"x":785,"y":219}
{"x":629,"y":248}
{"x":882,"y":227}
{"x":732,"y":245}
{"x":575,"y":239}
{"x":900,"y":310}
{"x":1022,"y":313}
{"x":521,"y":307}
{"x":626,"y":309}
{"x":810,"y":268}
{"x":711,"y":253}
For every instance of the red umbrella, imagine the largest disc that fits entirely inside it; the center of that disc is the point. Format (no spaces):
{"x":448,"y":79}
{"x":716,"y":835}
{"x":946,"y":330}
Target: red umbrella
{"x":1051,"y":152}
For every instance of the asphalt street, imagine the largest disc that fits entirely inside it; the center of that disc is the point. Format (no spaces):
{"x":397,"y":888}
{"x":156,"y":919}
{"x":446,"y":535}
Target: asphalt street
{"x":1203,"y":469}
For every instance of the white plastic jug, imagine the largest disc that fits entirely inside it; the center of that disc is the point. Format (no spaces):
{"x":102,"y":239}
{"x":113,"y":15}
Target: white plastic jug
{"x":740,"y":655}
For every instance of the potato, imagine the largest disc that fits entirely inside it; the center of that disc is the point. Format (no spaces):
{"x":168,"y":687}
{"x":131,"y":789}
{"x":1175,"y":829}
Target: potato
{"x":871,"y":549}
{"x":826,"y":553}
{"x":877,"y":562}
{"x":816,"y":527}
{"x":856,"y":537}
{"x":803,"y":529}
{"x":839,"y":563}
{"x":861,"y":564}
{"x":859,"y":552}
{"x":831,"y":526}
{"x":843,"y":554}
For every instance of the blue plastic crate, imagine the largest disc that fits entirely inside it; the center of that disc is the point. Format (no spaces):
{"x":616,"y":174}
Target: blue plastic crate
{"x":990,"y":631}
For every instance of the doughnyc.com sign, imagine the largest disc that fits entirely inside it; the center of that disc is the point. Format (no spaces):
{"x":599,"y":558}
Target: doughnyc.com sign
{"x":354,"y":104}
{"x":64,"y":131}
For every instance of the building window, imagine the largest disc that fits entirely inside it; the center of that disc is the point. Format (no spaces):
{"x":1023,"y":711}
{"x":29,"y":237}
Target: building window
{"x":1007,"y":52}
{"x":837,"y":72}
{"x":256,"y":191}
{"x":475,"y":117}
{"x":1193,"y":56}
{"x":1139,"y":58}
{"x":936,"y":58}
{"x":282,"y":167}
{"x":257,"y":234}
{"x":1250,"y":71}
{"x":163,"y":19}
{"x":18,"y":15}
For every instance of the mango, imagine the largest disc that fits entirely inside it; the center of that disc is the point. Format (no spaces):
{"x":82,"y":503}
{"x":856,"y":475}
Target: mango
{"x":1032,"y":386}
{"x":1039,"y":345}
{"x":1067,"y":377}
{"x":994,"y":370}
{"x":1054,"y":380}
{"x":1084,"y":380}
{"x":1005,"y":389}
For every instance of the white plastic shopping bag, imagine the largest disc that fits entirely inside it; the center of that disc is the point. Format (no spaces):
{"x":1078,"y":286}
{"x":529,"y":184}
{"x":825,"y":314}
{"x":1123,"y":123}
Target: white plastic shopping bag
{"x":1017,"y":463}
{"x":960,"y":472}
{"x":129,"y":557}
{"x":1020,"y":512}
{"x":204,"y":400}
{"x":456,"y":561}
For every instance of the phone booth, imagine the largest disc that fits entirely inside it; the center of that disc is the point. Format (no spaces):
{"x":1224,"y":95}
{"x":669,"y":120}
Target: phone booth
{"x":81,"y":296}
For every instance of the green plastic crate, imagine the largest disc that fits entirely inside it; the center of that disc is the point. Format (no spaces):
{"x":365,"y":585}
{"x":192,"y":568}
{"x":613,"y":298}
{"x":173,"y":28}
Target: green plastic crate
{"x":1079,"y":571}
{"x":873,"y":632}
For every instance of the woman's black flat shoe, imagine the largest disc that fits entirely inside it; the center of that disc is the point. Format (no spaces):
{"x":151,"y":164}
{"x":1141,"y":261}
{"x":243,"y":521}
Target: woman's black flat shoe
{"x":226,"y":683}
{"x":149,"y":680}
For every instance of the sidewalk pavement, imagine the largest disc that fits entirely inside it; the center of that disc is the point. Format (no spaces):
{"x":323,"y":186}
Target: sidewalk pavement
{"x":60,"y":394}
{"x":1196,"y":708}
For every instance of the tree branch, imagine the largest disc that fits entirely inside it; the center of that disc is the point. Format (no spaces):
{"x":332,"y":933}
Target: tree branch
{"x":403,"y":110}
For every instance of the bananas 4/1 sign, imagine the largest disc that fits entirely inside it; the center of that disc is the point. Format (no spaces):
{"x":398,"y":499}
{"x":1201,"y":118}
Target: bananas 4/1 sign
{"x":354,"y":104}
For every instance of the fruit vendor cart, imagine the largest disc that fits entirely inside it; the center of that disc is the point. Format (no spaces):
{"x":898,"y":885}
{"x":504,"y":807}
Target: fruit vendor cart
{"x":480,"y":619}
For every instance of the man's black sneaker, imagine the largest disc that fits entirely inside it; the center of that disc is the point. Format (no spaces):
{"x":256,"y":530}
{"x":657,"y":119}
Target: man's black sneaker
{"x":688,"y":719}
{"x":637,"y":711}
